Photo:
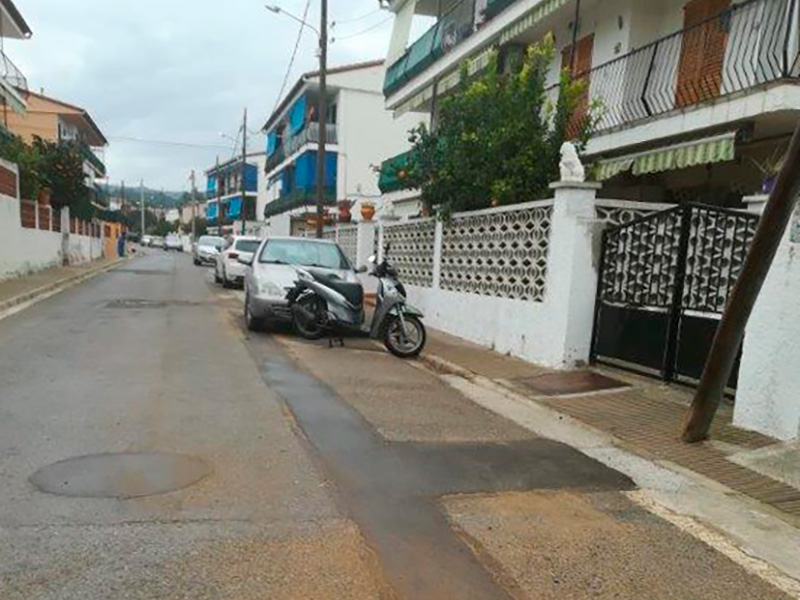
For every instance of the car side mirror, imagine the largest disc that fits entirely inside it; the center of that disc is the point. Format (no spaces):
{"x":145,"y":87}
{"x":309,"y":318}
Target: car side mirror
{"x":362,"y":269}
{"x":245,"y":260}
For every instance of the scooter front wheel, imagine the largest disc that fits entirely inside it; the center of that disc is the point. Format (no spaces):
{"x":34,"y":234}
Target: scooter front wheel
{"x":404,"y":337}
{"x":308,"y":317}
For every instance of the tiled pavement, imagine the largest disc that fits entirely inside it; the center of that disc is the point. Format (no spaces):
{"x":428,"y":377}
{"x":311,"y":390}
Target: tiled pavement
{"x":645,"y":417}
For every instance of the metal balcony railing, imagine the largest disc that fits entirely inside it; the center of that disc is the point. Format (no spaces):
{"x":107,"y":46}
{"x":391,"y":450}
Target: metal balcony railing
{"x":448,"y":32}
{"x":92,"y":158}
{"x":743,"y":47}
{"x":308,"y":135}
{"x":11,"y":73}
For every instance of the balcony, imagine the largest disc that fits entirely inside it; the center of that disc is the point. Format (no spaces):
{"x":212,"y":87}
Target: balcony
{"x":298,"y":198}
{"x":744,"y":47}
{"x":11,"y":73}
{"x":448,"y":32}
{"x":92,"y":159}
{"x":308,"y":135}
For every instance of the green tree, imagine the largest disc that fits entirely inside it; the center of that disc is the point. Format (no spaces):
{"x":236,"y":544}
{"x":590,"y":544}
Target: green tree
{"x":61,"y":170}
{"x":498,"y":136}
{"x":27,"y":158}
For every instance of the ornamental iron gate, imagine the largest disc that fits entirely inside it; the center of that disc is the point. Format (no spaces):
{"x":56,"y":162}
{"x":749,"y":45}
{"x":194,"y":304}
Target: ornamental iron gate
{"x":664,"y":281}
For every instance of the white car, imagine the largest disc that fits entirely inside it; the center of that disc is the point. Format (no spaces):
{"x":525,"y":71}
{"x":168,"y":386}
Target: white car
{"x":173,"y":242}
{"x":228,"y":270}
{"x":272,"y":274}
{"x":207,"y":248}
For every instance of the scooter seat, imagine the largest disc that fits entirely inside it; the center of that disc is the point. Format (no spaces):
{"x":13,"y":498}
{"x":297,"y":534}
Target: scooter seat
{"x":353,"y":292}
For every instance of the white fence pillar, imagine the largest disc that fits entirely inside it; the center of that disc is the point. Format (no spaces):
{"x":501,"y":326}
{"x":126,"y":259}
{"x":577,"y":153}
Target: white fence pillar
{"x":365,"y":242}
{"x":572,"y":271}
{"x":438,"y":237}
{"x":769,"y":378}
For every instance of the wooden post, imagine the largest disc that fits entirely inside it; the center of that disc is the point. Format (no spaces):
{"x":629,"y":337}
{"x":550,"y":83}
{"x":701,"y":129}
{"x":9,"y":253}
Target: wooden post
{"x":730,"y":333}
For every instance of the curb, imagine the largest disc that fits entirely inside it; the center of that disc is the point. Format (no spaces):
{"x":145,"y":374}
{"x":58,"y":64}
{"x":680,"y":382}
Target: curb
{"x":49,"y":289}
{"x":445,"y":367}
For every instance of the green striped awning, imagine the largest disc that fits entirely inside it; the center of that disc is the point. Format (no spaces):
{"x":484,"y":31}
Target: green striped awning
{"x":706,"y":151}
{"x":476,"y":64}
{"x":530,"y":18}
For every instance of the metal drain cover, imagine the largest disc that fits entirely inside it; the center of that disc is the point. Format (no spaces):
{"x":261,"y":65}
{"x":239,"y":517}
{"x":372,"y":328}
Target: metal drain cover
{"x":122,"y":475}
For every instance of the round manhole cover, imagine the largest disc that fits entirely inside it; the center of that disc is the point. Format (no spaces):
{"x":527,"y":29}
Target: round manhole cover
{"x":123,"y":475}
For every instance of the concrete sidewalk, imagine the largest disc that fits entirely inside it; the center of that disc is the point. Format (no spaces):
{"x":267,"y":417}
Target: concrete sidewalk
{"x":21,"y":290}
{"x":643,"y":415}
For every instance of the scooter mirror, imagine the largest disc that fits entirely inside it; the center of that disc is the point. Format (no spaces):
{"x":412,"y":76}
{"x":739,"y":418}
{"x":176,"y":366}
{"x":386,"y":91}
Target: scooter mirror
{"x":362,"y":269}
{"x":372,"y":259}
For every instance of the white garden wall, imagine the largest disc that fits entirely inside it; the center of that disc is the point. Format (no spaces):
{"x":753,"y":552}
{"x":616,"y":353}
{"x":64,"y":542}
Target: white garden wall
{"x":25,"y":250}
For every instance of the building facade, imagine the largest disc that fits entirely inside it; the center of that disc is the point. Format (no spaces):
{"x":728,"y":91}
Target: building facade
{"x":58,"y":121}
{"x":12,"y":81}
{"x":225,"y":203}
{"x":360,"y":132}
{"x":694,"y":100}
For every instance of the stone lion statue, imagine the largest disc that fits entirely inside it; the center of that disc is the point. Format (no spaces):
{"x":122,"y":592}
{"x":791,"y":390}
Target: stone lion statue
{"x":571,"y":166}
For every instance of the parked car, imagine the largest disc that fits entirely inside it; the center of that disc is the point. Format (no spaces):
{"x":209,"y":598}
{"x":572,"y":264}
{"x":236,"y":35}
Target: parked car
{"x":132,"y":237}
{"x":272,"y":274}
{"x":157,"y":242}
{"x":147,"y":240}
{"x":228,"y":270}
{"x":173,"y":242}
{"x":207,"y":248}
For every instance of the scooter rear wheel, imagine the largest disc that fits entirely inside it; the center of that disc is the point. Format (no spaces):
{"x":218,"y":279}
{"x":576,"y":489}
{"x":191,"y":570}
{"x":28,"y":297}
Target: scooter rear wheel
{"x":310,"y":329}
{"x":408,"y":343}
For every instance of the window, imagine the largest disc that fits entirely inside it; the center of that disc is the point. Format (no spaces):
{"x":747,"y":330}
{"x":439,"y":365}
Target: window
{"x":305,"y":253}
{"x":247,"y":245}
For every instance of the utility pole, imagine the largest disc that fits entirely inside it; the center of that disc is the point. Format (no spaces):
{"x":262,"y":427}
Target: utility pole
{"x":244,"y":164}
{"x":219,"y":196}
{"x":730,"y":332}
{"x":194,"y":206}
{"x":141,"y":201}
{"x":122,"y":193}
{"x":322,"y":110}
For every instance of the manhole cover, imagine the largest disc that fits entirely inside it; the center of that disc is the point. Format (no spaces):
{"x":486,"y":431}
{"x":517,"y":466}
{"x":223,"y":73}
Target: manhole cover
{"x":123,"y":475}
{"x":572,"y":382}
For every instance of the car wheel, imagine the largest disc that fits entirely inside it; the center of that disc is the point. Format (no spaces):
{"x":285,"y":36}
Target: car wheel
{"x":250,"y":322}
{"x":217,"y":278}
{"x":226,"y":283}
{"x":196,"y":263}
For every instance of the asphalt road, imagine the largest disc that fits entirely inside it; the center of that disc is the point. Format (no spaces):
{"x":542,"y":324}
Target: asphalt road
{"x":151,"y":449}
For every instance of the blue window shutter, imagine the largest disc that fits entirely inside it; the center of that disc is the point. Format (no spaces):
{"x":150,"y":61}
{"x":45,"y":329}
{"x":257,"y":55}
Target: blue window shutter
{"x":272,"y":142}
{"x":331,"y":162}
{"x":297,"y":118}
{"x":251,"y":178}
{"x":235,"y":207}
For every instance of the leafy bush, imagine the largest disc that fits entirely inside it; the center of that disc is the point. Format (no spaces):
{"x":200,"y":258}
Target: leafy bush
{"x":498,"y":137}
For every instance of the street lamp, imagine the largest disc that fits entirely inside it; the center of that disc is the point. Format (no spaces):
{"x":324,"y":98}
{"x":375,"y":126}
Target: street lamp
{"x":322,"y":105}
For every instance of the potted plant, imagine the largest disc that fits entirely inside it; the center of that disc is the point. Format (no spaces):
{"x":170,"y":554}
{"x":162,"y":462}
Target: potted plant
{"x":770,"y":167}
{"x":45,"y":194}
{"x":367,"y":210}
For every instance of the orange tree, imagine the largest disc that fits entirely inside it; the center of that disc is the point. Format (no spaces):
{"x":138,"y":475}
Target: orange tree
{"x":497,"y":138}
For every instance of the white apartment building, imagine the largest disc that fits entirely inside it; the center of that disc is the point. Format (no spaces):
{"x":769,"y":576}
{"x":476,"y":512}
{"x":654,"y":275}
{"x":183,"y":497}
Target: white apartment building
{"x":360,"y":133}
{"x":696,"y":96}
{"x":224,"y":200}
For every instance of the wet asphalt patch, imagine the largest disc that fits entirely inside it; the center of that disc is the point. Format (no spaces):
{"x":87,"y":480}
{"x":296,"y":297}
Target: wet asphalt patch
{"x":139,"y":303}
{"x":392,"y":490}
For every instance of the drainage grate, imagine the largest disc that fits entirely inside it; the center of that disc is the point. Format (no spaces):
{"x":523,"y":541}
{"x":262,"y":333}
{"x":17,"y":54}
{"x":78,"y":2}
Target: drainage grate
{"x":571,"y":382}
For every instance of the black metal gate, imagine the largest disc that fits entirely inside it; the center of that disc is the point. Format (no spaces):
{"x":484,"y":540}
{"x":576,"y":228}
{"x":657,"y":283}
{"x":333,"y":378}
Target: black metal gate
{"x":664,"y":280}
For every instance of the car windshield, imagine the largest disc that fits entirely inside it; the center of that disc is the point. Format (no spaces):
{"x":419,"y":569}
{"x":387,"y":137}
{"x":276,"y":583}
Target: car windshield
{"x":247,"y":245}
{"x":304,"y":253}
{"x":208,"y":240}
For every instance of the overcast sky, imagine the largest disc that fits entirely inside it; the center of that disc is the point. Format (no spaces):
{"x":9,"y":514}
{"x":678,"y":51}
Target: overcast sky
{"x":179,"y":70}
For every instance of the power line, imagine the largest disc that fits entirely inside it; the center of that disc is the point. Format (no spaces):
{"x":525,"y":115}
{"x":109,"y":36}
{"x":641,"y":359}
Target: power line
{"x":291,"y":60}
{"x":363,"y":31}
{"x":164,"y":142}
{"x":354,"y":19}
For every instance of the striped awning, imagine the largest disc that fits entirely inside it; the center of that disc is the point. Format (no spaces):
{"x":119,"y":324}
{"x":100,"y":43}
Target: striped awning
{"x":720,"y":148}
{"x":530,"y":18}
{"x":476,"y":64}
